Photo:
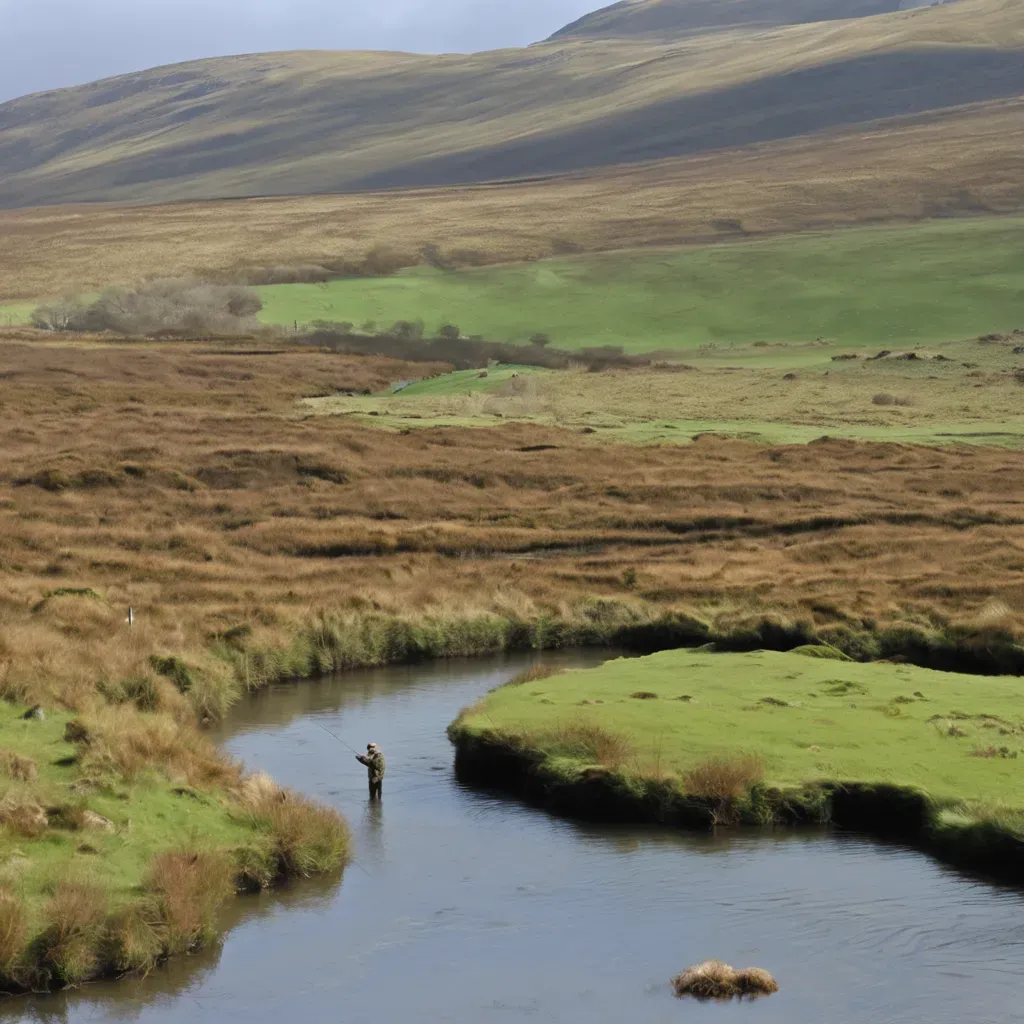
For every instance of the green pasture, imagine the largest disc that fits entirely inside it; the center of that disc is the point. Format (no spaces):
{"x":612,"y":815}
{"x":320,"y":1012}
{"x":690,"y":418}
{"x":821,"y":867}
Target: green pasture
{"x":882,"y":287}
{"x":148,"y":816}
{"x":955,"y":737}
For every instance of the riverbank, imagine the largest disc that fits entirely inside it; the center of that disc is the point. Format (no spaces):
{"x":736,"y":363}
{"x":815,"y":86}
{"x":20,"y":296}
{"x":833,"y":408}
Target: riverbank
{"x":698,"y":739}
{"x":121,"y":837}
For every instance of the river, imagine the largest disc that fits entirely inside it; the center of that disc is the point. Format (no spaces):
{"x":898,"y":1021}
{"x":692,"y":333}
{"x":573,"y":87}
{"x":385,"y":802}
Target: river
{"x":466,"y":907}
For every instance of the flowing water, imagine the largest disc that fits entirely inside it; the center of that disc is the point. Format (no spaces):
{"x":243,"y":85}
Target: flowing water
{"x":466,"y":907}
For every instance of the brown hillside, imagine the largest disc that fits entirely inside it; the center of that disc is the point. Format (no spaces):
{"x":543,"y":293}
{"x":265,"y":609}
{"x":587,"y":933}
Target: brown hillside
{"x":304,"y":123}
{"x":966,"y":161}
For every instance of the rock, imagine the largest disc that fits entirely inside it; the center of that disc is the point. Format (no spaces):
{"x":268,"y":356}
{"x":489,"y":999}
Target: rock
{"x":34,"y":714}
{"x":90,"y":819}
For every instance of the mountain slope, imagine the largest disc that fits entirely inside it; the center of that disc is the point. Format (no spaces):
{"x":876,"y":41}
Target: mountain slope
{"x":677,"y":18}
{"x":300,"y":123}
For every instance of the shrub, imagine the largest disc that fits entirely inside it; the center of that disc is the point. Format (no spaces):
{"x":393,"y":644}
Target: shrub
{"x":449,"y":332}
{"x":168,"y":306}
{"x":189,"y":887}
{"x":62,"y":315}
{"x":540,"y":340}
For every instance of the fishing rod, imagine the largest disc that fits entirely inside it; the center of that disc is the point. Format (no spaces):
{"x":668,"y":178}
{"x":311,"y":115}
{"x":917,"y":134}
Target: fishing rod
{"x":337,"y":737}
{"x":391,"y":771}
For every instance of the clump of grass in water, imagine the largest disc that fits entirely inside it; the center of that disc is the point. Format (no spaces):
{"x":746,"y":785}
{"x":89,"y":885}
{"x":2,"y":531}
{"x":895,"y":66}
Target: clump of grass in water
{"x":716,"y":980}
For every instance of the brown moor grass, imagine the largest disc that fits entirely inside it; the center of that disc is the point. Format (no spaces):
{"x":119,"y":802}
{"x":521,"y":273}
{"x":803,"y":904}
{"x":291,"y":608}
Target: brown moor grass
{"x":178,"y":480}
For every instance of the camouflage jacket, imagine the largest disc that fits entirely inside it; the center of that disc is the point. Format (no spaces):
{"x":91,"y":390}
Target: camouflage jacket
{"x":374,"y":765}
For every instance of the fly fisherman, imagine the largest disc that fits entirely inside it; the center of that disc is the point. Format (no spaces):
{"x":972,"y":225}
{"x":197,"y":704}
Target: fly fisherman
{"x":374,"y":761}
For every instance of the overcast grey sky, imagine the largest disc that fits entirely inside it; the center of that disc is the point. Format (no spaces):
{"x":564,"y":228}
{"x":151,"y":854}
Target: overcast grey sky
{"x":46,"y":44}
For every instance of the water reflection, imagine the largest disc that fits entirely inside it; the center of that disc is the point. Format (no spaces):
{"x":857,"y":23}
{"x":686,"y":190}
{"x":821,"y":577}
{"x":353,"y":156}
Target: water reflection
{"x":465,"y":906}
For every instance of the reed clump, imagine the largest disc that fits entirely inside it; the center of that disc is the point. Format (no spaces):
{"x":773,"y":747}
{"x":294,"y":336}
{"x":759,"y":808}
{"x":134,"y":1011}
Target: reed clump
{"x":714,"y":979}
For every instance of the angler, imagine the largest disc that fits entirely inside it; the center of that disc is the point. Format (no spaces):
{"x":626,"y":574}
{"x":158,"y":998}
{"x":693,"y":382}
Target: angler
{"x":374,"y":761}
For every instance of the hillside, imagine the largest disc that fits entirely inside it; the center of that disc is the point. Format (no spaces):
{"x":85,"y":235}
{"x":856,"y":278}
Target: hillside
{"x":302,"y":123}
{"x":966,"y":162}
{"x":679,"y":18}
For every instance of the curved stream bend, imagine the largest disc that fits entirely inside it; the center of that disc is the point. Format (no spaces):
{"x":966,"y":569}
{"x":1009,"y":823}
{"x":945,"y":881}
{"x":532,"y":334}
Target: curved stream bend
{"x":465,"y":907}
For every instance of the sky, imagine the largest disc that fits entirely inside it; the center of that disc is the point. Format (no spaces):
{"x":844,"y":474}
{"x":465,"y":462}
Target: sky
{"x":47,"y":44}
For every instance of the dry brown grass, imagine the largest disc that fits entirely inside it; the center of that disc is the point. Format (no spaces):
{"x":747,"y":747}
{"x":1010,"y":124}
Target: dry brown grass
{"x":23,"y":815}
{"x":189,"y":887}
{"x":68,"y":949}
{"x":588,"y":742}
{"x":724,"y":778}
{"x":13,"y":930}
{"x":960,"y":162}
{"x":305,"y":837}
{"x":128,"y":744}
{"x":713,"y":979}
{"x":14,"y":766}
{"x":189,"y":491}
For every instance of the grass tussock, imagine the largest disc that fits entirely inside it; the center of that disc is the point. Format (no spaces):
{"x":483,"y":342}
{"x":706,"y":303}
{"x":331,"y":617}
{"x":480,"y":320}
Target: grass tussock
{"x":189,"y":887}
{"x":13,"y":930}
{"x":714,"y":979}
{"x":22,"y":815}
{"x":17,"y":767}
{"x":580,"y":740}
{"x":724,"y":778}
{"x":304,"y":837}
{"x":67,"y":951}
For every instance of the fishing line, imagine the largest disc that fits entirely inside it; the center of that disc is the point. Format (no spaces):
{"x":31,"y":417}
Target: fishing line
{"x":391,"y":771}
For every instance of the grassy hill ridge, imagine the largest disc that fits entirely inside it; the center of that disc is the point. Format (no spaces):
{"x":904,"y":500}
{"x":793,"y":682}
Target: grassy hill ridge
{"x":301,"y":123}
{"x":687,"y":17}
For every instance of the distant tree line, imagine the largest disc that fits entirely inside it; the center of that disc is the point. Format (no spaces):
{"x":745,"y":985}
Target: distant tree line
{"x":169,"y":307}
{"x":406,"y":340}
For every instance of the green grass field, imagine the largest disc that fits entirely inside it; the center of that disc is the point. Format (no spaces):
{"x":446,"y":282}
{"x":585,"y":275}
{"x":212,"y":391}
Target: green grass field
{"x":810,"y":719}
{"x":16,"y":314}
{"x":147,"y":816}
{"x":867,"y":286}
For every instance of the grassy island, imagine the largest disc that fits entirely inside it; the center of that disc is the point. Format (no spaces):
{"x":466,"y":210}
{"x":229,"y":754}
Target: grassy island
{"x":699,"y":738}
